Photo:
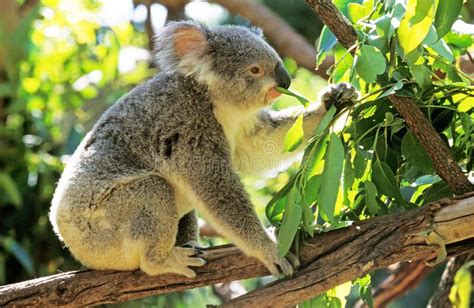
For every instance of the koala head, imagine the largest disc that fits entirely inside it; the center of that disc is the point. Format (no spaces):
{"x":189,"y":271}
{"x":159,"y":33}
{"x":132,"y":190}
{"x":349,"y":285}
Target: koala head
{"x":235,"y":62}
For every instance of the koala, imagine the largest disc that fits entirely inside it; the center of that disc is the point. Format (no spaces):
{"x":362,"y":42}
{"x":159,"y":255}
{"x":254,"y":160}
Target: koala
{"x":176,"y":144}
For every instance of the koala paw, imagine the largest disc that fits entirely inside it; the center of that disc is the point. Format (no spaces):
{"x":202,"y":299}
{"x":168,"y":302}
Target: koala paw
{"x":280,"y":265}
{"x":340,"y":95}
{"x":178,"y":262}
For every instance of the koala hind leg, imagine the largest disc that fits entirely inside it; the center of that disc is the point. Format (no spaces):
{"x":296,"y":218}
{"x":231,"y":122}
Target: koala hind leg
{"x":154,"y":227}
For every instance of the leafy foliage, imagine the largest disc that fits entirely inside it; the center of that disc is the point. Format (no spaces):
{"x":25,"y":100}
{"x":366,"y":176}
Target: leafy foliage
{"x":373,"y":165}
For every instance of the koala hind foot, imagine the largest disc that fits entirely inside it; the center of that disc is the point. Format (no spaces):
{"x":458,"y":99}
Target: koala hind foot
{"x":340,"y":95}
{"x":178,"y":262}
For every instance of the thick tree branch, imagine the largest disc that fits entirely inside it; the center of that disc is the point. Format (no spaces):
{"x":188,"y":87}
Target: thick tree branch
{"x":328,"y":260}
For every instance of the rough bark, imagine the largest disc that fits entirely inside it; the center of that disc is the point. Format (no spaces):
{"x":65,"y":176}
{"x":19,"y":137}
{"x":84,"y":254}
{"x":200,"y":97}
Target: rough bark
{"x":327,"y":260}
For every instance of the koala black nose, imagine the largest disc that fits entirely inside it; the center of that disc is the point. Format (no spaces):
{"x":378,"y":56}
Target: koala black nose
{"x":281,"y":76}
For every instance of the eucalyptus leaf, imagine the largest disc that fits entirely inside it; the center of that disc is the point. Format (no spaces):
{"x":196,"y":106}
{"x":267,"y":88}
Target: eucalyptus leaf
{"x":327,"y":40}
{"x":331,"y":178}
{"x":446,"y":15}
{"x":303,"y":100}
{"x":384,"y":179}
{"x":393,"y":89}
{"x":370,"y":63}
{"x":370,"y":197}
{"x":294,"y":136}
{"x":416,"y":154}
{"x":416,"y":23}
{"x":290,"y":222}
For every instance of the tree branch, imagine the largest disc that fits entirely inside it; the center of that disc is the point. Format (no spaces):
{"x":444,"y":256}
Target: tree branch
{"x":328,"y":260}
{"x":405,"y":277}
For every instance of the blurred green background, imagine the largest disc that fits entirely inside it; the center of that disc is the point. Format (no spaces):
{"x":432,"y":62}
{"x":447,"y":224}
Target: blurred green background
{"x":62,"y":63}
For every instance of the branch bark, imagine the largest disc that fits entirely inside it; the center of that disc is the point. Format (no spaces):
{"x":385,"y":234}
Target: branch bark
{"x":328,"y":260}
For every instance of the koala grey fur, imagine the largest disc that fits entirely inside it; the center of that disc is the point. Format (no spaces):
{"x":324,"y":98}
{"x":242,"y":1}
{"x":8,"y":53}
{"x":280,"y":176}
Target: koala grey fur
{"x":127,"y":197}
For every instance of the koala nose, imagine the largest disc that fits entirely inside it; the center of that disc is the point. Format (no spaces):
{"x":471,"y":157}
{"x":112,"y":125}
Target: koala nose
{"x":281,"y":76}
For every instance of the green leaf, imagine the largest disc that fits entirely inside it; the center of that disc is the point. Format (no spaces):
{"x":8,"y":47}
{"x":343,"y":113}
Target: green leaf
{"x":422,"y":75}
{"x":19,"y":253}
{"x":384,"y":26}
{"x":294,"y":136}
{"x":290,"y":222}
{"x":348,"y":178}
{"x":273,"y":209}
{"x":443,"y":50}
{"x":314,"y":157}
{"x":385,"y":181}
{"x":365,"y":291}
{"x":397,"y":86}
{"x":370,"y":63}
{"x":312,"y":189}
{"x":326,"y":120}
{"x":446,"y":15}
{"x":460,"y":294}
{"x":10,"y":189}
{"x":359,"y":164}
{"x":358,"y":11}
{"x":370,"y":197}
{"x":415,"y":154}
{"x":459,"y":40}
{"x":303,"y":100}
{"x":327,"y":40}
{"x":344,"y":61}
{"x":416,"y":23}
{"x":330,"y":179}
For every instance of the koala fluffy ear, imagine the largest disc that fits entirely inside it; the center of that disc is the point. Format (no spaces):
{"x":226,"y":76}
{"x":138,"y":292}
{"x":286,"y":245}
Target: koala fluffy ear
{"x":177,"y":40}
{"x":189,"y":39}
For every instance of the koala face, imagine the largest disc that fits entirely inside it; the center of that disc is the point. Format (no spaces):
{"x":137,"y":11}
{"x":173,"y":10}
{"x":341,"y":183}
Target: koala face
{"x":236,"y":63}
{"x":248,"y":67}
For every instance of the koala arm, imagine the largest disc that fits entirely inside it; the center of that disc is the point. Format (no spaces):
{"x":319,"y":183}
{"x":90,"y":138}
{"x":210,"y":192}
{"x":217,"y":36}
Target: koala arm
{"x":222,"y":201}
{"x":263,"y":148}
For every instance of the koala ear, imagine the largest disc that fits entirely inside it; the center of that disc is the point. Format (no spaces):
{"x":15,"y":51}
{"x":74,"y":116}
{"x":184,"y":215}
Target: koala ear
{"x":178,"y":39}
{"x":189,"y":39}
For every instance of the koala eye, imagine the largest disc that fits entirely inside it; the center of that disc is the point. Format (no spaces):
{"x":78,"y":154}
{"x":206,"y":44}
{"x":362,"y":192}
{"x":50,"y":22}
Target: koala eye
{"x":257,"y":70}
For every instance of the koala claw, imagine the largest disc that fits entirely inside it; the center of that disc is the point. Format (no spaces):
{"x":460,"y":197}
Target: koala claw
{"x":293,"y":259}
{"x":340,"y":95}
{"x":285,"y":266}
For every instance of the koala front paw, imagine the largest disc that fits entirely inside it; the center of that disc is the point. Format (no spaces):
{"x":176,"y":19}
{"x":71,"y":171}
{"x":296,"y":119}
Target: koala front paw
{"x":340,"y":95}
